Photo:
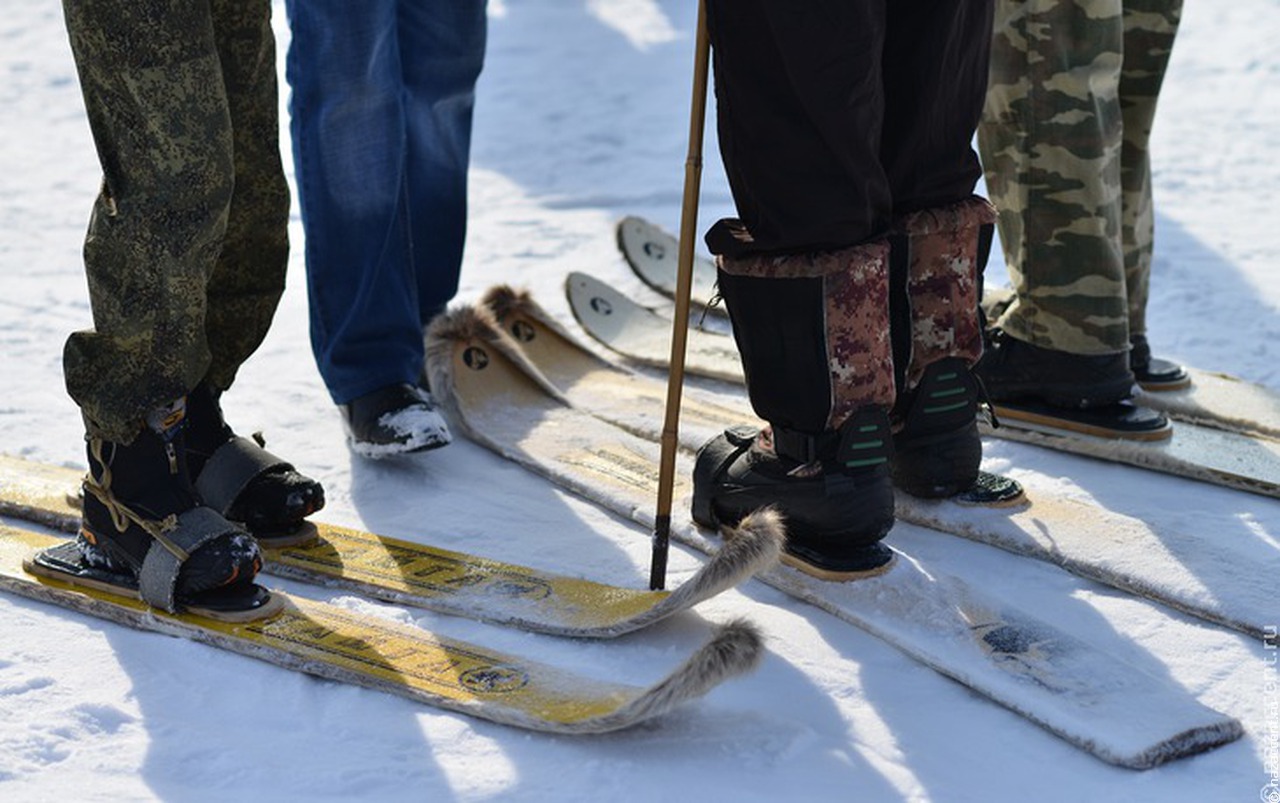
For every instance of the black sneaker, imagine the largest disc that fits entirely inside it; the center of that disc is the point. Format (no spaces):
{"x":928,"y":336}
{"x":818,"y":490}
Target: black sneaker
{"x":937,"y":450}
{"x":140,"y":493}
{"x":396,"y":419}
{"x":1154,"y":374}
{"x":1011,"y":369}
{"x":836,"y":510}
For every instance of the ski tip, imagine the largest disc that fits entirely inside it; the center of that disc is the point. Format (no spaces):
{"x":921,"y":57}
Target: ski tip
{"x":735,"y":649}
{"x":760,"y":535}
{"x":503,"y":300}
{"x":751,"y":547}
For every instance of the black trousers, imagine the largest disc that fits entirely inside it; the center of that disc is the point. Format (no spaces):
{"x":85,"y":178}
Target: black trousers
{"x":835,"y":116}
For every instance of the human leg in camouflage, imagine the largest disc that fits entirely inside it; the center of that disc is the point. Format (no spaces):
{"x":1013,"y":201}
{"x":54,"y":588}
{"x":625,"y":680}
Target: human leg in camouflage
{"x":1064,"y":143}
{"x":1150,"y":27}
{"x":185,"y":259}
{"x":937,"y":263}
{"x":834,"y":122}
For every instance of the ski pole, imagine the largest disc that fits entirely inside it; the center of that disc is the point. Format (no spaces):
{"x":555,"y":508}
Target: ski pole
{"x":684,"y":284}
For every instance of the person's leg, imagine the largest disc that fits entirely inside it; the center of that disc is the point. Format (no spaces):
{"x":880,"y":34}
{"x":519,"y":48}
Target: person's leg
{"x":443,"y":47}
{"x":249,"y":275}
{"x":804,"y":277}
{"x":935,"y":65}
{"x":1050,"y":142}
{"x":153,"y":88}
{"x":350,"y":112}
{"x":350,"y":148}
{"x":157,"y":108}
{"x":799,"y":107}
{"x":246,"y":483}
{"x":935,"y":73}
{"x":1150,"y":27}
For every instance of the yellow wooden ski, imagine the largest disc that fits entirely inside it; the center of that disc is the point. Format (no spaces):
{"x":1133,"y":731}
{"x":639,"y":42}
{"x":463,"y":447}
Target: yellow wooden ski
{"x":329,"y":642}
{"x":409,"y":573}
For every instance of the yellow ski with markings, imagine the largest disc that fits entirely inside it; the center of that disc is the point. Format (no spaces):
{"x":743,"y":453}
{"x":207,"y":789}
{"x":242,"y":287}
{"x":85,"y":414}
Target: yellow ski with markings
{"x":330,"y":642}
{"x":409,"y":573}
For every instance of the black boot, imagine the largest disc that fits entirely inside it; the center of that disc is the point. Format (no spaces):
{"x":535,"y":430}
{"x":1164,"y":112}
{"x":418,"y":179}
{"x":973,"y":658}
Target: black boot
{"x":1013,"y":370}
{"x":1154,"y":374}
{"x":813,"y":334}
{"x":834,"y":491}
{"x":936,"y":260}
{"x":937,"y":450}
{"x":241,"y":480}
{"x":396,"y":419}
{"x":142,"y":519}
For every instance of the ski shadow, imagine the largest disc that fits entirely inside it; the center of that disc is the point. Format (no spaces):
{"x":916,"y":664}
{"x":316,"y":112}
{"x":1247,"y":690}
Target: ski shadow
{"x":734,"y":726}
{"x":740,"y":737}
{"x":248,"y":727}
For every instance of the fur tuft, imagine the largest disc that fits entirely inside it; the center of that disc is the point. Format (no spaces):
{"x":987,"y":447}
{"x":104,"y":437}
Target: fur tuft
{"x":752,"y":547}
{"x":462,"y":324}
{"x":735,"y":649}
{"x":506,"y":302}
{"x":503,"y":300}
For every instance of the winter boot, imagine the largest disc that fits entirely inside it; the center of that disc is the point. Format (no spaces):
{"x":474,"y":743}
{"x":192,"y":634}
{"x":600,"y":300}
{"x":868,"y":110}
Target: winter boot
{"x":142,"y":521}
{"x":812,"y":331}
{"x":1152,"y":373}
{"x":243,"y":481}
{"x":936,"y":262}
{"x":396,"y":419}
{"x":1014,"y":370}
{"x":834,"y":493}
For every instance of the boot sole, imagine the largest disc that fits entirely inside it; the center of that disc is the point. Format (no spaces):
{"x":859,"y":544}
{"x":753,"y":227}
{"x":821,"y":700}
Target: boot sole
{"x":63,"y":564}
{"x":833,"y":575}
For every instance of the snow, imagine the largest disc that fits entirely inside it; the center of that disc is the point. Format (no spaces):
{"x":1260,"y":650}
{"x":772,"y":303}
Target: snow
{"x":582,"y":119}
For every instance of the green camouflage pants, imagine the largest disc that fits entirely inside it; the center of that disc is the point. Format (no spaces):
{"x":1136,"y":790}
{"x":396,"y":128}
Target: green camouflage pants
{"x":187,"y":243}
{"x":1064,"y":143}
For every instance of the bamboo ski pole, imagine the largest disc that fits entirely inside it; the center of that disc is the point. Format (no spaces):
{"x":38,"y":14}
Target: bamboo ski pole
{"x":684,"y":283}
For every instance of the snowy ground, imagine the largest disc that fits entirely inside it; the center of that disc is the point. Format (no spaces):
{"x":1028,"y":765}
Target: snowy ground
{"x":582,"y":119}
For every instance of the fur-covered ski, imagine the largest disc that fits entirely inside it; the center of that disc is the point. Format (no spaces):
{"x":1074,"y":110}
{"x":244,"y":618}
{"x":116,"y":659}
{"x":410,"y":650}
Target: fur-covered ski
{"x":1105,"y":706}
{"x":1214,"y":400}
{"x":330,"y":642}
{"x":1224,"y":581}
{"x":413,"y":574}
{"x":1208,"y":454}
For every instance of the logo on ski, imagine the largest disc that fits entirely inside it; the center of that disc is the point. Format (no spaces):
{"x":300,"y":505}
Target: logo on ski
{"x":494,"y":679}
{"x":523,"y":331}
{"x":655,"y":250}
{"x":601,"y":306}
{"x":475,"y":358}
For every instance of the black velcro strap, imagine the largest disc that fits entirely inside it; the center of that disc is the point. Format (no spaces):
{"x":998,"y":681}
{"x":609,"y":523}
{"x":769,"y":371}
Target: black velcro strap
{"x":863,"y":440}
{"x":230,"y":470}
{"x":804,"y":447}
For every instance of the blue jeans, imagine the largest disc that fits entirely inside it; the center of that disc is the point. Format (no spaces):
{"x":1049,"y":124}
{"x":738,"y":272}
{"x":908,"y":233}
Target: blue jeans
{"x":381,"y":104}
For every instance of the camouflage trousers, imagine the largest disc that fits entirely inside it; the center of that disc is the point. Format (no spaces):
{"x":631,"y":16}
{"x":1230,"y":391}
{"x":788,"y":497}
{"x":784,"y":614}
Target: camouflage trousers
{"x":187,"y":244}
{"x":1064,"y":145}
